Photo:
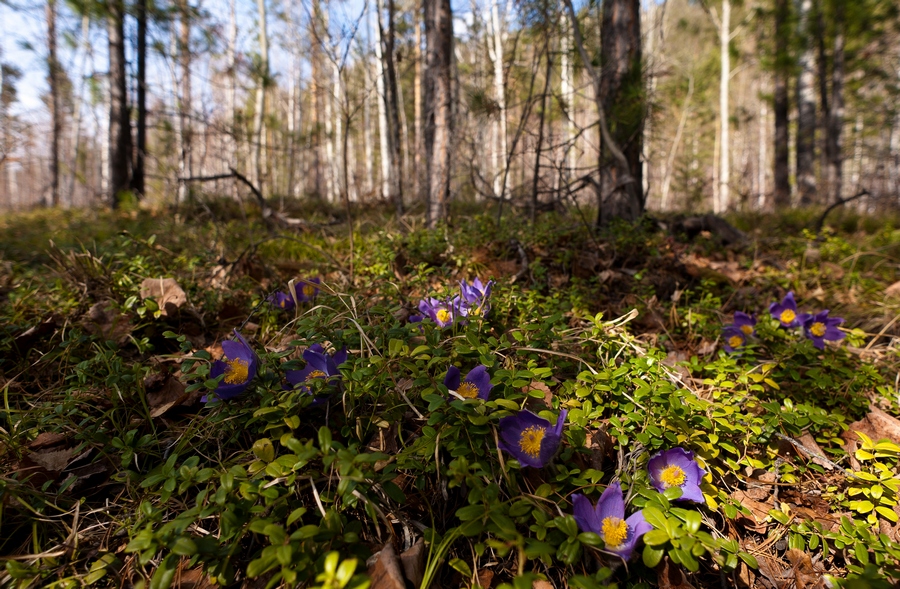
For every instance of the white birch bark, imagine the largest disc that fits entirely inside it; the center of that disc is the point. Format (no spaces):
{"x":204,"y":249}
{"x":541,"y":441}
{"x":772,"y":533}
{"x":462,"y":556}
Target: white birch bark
{"x":231,"y":100}
{"x":568,"y":96}
{"x":260,"y":110}
{"x":499,"y":149}
{"x":722,"y":202}
{"x":382,"y":109}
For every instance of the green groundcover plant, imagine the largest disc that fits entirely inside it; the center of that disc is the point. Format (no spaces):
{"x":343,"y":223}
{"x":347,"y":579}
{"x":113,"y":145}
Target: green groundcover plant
{"x":515,"y":431}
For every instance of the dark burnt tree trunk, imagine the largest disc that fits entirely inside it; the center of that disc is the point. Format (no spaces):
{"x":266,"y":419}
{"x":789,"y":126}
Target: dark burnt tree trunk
{"x":623,"y":100}
{"x":438,"y":113}
{"x":781,"y":106}
{"x":835,"y":124}
{"x":393,"y":108}
{"x":119,"y":124}
{"x":140,"y":148}
{"x":53,"y":72}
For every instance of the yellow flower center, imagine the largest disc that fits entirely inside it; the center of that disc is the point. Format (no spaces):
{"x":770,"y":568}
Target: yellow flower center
{"x":309,"y":290}
{"x":316,"y":374}
{"x":817,"y":329}
{"x":476,"y":311}
{"x":467,"y":390}
{"x":237,"y":372}
{"x":672,"y":476}
{"x":530,"y":442}
{"x":614,"y":531}
{"x":443,"y":315}
{"x":735,"y":341}
{"x":787,"y":316}
{"x":747,"y":329}
{"x":283,"y":302}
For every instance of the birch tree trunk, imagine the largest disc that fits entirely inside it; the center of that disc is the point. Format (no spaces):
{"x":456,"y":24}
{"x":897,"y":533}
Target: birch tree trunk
{"x":499,"y":147}
{"x":418,"y":190}
{"x":383,"y":134}
{"x":568,"y":96}
{"x":806,"y":110}
{"x":260,"y":110}
{"x":119,"y":123}
{"x":231,"y":56}
{"x":437,"y":112}
{"x":724,"y":120}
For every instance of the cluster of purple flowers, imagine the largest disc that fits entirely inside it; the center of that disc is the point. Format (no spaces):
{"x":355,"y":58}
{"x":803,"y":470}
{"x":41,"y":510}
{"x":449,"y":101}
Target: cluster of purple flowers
{"x":532,"y":440}
{"x":736,"y":334}
{"x":472,"y":301}
{"x":818,"y":327}
{"x":239,"y":365}
{"x":307,"y":291}
{"x":667,"y":469}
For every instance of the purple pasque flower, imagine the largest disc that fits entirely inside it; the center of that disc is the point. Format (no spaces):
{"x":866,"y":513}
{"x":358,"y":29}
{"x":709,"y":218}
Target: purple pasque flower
{"x":237,"y":367}
{"x":282,"y":300}
{"x":441,"y":312}
{"x":532,"y":440}
{"x":319,"y":364}
{"x":307,"y":289}
{"x":734,"y":337}
{"x":476,"y":384}
{"x":746,"y":323}
{"x":786,"y":311}
{"x":820,"y":327}
{"x":677,"y":468}
{"x":607,"y":520}
{"x":475,"y":297}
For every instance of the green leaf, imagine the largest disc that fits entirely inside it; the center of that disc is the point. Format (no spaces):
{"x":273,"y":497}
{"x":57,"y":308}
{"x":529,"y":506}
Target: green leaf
{"x":655,"y":517}
{"x":264,"y":450}
{"x":470,"y":512}
{"x":656,"y":537}
{"x":324,"y":438}
{"x":461,"y":566}
{"x":393,"y":491}
{"x":184,"y":546}
{"x":652,"y":556}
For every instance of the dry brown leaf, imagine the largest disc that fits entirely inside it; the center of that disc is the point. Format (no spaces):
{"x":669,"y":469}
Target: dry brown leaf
{"x":877,"y":425}
{"x":810,"y":442}
{"x":485,"y":578}
{"x":104,"y":320}
{"x":541,"y":584}
{"x":893,"y":291}
{"x":165,"y":396}
{"x":166,"y":292}
{"x":385,"y":572}
{"x":671,"y":576}
{"x":758,"y":510}
{"x":54,"y":461}
{"x":540,"y":387}
{"x":413,"y":561}
{"x":46,"y":440}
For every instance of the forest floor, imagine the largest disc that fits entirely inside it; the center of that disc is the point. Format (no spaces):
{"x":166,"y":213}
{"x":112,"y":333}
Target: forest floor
{"x":780,"y":458}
